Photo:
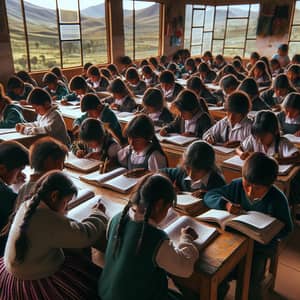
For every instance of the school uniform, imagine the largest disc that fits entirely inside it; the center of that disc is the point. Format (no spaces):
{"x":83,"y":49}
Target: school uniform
{"x":259,"y":104}
{"x":10,"y":116}
{"x":271,"y":99}
{"x":208,"y":97}
{"x":27,"y":89}
{"x":283,"y":60}
{"x":139,"y":88}
{"x":149,"y":159}
{"x":223,"y":131}
{"x":153,"y":81}
{"x":209,"y":77}
{"x":127,"y":104}
{"x":277,"y":72}
{"x":149,"y":268}
{"x":199,"y":124}
{"x":52,"y":124}
{"x":264,"y":80}
{"x":161,"y":117}
{"x":213,"y":179}
{"x":171,"y":95}
{"x":288,"y":125}
{"x":219,"y":66}
{"x":100,"y":85}
{"x":60,"y":92}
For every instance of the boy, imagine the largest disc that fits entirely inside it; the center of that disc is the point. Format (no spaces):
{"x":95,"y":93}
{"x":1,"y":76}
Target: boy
{"x":17,"y":90}
{"x":56,"y":88}
{"x":282,"y":55}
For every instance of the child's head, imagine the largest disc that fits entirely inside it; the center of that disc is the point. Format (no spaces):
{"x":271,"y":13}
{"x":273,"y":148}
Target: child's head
{"x":203,"y":68}
{"x":144,"y":62}
{"x":15,"y":85}
{"x":187,"y":104}
{"x":219,"y":59}
{"x":283,"y":49}
{"x":259,"y":69}
{"x":265,"y":127}
{"x":24,"y":75}
{"x":229,"y":69}
{"x":125,"y":61}
{"x":86,"y":67}
{"x":132,"y":75}
{"x":238,"y":106}
{"x":207,"y":56}
{"x":106,"y":73}
{"x":229,"y":84}
{"x":296,"y":59}
{"x":254,"y":57}
{"x":237,"y":57}
{"x":147,"y":72}
{"x":275,"y":64}
{"x":153,"y":100}
{"x":163,"y":60}
{"x":91,"y":104}
{"x":172,"y":67}
{"x":58,"y":72}
{"x":259,"y":173}
{"x":50,"y":80}
{"x":13,"y":159}
{"x":78,"y":85}
{"x":237,"y":64}
{"x":153,"y":61}
{"x":199,"y":159}
{"x":291,"y":105}
{"x":198,"y":61}
{"x":281,"y":85}
{"x":40,"y":100}
{"x":190,"y":64}
{"x":118,"y":88}
{"x":195,"y":84}
{"x":93,"y":73}
{"x":250,"y":87}
{"x":167,"y":80}
{"x":293,"y":72}
{"x":47,"y":154}
{"x":113,"y":69}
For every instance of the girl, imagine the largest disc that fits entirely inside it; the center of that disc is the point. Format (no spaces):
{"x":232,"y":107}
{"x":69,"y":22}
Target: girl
{"x":208,"y":58}
{"x":254,"y":57}
{"x":137,"y":86}
{"x":122,"y":99}
{"x":175,"y":70}
{"x":275,"y":67}
{"x":17,"y":90}
{"x":54,"y":87}
{"x":219,"y":63}
{"x":249,"y":86}
{"x":164,"y":61}
{"x":96,"y":80}
{"x":289,"y":118}
{"x":198,"y":172}
{"x":93,"y":108}
{"x":25,"y":76}
{"x":189,"y":68}
{"x":157,"y":67}
{"x":153,"y":102}
{"x":13,"y":159}
{"x":60,"y":76}
{"x":229,"y":69}
{"x":206,"y":74}
{"x":144,"y":150}
{"x":150,"y":78}
{"x":10,"y":114}
{"x":236,"y":126}
{"x":114,"y":71}
{"x":49,"y":120}
{"x":135,"y":238}
{"x":293,"y":73}
{"x":84,"y":70}
{"x":35,"y":266}
{"x":260,"y":74}
{"x":192,"y":119}
{"x":105,"y":72}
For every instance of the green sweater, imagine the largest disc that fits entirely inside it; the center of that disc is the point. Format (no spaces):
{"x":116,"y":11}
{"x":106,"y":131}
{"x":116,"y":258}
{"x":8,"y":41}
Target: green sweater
{"x":12,"y":114}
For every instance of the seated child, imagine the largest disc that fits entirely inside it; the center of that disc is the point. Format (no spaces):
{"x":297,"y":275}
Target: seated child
{"x":208,"y":58}
{"x":144,"y":150}
{"x":173,"y":68}
{"x":293,"y":74}
{"x":206,"y":74}
{"x":260,"y":74}
{"x":49,"y":119}
{"x":282,"y":55}
{"x":164,"y":61}
{"x":26,"y":77}
{"x":254,"y":57}
{"x":295,"y":59}
{"x":13,"y":159}
{"x":150,"y":78}
{"x":96,"y":80}
{"x":135,"y":240}
{"x":125,"y":62}
{"x":255,"y":191}
{"x":275,"y":67}
{"x":189,"y":68}
{"x":57,"y":89}
{"x":198,"y":172}
{"x":158,"y":68}
{"x":153,"y":103}
{"x":17,"y":90}
{"x":236,"y":126}
{"x":106,"y":73}
{"x":137,"y":86}
{"x":35,"y":263}
{"x":238,"y":65}
{"x":229,"y":70}
{"x":60,"y":76}
{"x":219,"y":62}
{"x":191,"y":119}
{"x":114,"y":71}
{"x":84,"y":70}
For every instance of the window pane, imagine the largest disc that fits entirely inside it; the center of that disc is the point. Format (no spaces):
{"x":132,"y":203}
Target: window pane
{"x":197,"y":36}
{"x":17,"y":36}
{"x":68,"y":11}
{"x":209,"y":18}
{"x":220,"y":22}
{"x":71,"y":53}
{"x":207,"y":39}
{"x":297,"y":13}
{"x":236,"y":33}
{"x":238,"y":11}
{"x":295,"y":33}
{"x":196,"y":50}
{"x":253,"y":20}
{"x":198,"y":17}
{"x":42,"y":34}
{"x":128,"y":27}
{"x":70,"y":32}
{"x":250,"y":47}
{"x":294,"y":48}
{"x":188,"y":26}
{"x":233,"y":52}
{"x":217,"y":47}
{"x":93,"y":31}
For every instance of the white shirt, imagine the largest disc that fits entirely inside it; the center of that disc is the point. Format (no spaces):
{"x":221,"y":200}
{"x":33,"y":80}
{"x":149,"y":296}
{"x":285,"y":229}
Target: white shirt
{"x":120,"y":101}
{"x":294,"y":121}
{"x":190,"y":125}
{"x":198,"y":184}
{"x":154,"y":116}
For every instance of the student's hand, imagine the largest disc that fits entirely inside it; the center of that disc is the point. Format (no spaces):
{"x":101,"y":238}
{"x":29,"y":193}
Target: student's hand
{"x":297,"y":133}
{"x":210,"y":140}
{"x":93,"y":155}
{"x":232,"y":144}
{"x":163,"y":132}
{"x":189,"y":231}
{"x":244,"y":155}
{"x":189,"y":134}
{"x":20,"y":128}
{"x":100,"y":206}
{"x":23,"y":102}
{"x":115,"y":106}
{"x":199,"y":193}
{"x":65,"y":102}
{"x":80,"y":153}
{"x":233,"y":208}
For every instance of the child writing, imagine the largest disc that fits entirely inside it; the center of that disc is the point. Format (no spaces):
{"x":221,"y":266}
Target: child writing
{"x":84,"y":70}
{"x":150,"y":78}
{"x":49,"y":120}
{"x":293,"y":73}
{"x":192,"y":120}
{"x":135,"y":240}
{"x":114,"y":71}
{"x":275,"y":67}
{"x":255,"y":192}
{"x":136,"y":85}
{"x":96,"y":80}
{"x":236,"y":126}
{"x":144,"y":150}
{"x":60,"y":76}
{"x":260,"y":73}
{"x":206,"y":74}
{"x":17,"y":90}
{"x":35,"y":258}
{"x":26,"y":77}
{"x":55,"y":88}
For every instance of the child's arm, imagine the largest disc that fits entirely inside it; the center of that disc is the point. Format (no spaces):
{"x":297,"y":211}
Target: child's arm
{"x":242,"y":154}
{"x":293,"y":159}
{"x":173,"y":127}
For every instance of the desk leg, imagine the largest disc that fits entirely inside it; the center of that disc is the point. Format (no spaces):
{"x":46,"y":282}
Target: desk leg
{"x":209,"y":289}
{"x":244,"y":272}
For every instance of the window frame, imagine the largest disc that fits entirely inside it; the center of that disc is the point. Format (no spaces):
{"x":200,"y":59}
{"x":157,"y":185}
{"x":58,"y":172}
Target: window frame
{"x":292,"y":25}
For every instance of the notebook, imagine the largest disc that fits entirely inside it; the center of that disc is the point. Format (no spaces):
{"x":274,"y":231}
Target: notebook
{"x":176,"y":139}
{"x":188,"y":204}
{"x":292,"y":138}
{"x":258,"y":226}
{"x":82,"y":196}
{"x":85,"y":165}
{"x":222,"y":149}
{"x":124,"y":116}
{"x":14,"y":136}
{"x":7,"y":130}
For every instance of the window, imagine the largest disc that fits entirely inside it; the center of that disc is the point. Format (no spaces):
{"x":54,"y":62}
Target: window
{"x":224,"y":29}
{"x":294,"y":44}
{"x":141,"y":28}
{"x":47,"y":33}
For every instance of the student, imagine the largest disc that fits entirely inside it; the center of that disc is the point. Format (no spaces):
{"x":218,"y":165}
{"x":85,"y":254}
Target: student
{"x":237,"y":64}
{"x":13,"y":159}
{"x":125,"y":62}
{"x":135,"y":240}
{"x":175,"y":70}
{"x":153,"y":103}
{"x":114,"y":71}
{"x":275,"y":67}
{"x":122,"y":99}
{"x":157,"y":67}
{"x":189,"y":68}
{"x":105,"y":72}
{"x":289,"y":118}
{"x":150,"y":78}
{"x":84,"y":70}
{"x":49,"y":119}
{"x":195,"y":84}
{"x":208,"y":58}
{"x":254,"y":57}
{"x":96,"y":80}
{"x":35,"y":264}
{"x":168,"y":86}
{"x":282,"y":55}
{"x":198,"y":172}
{"x":295,"y":59}
{"x":164,"y":61}
{"x":60,"y":76}
{"x":229,"y":70}
{"x":255,"y":191}
{"x":249,"y":86}
{"x":10,"y":114}
{"x":236,"y":126}
{"x":25,"y":76}
{"x":191,"y":119}
{"x":144,"y":150}
{"x":260,"y":74}
{"x":206,"y":74}
{"x":266,"y":60}
{"x":17,"y":90}
{"x":219,"y":62}
{"x":293,"y":73}
{"x":275,"y":96}
{"x":55,"y":88}
{"x":137,"y":86}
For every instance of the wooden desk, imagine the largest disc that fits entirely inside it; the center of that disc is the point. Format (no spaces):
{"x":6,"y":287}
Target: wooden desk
{"x":26,"y":140}
{"x":217,"y":113}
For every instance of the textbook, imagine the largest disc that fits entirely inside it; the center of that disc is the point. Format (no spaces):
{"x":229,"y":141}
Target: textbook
{"x":115,"y":180}
{"x":258,"y":226}
{"x":7,"y":130}
{"x":82,"y":196}
{"x":205,"y":233}
{"x":222,"y":149}
{"x":85,"y":165}
{"x":176,"y":139}
{"x":124,"y":116}
{"x":189,"y":204}
{"x":15,"y":136}
{"x":292,"y":138}
{"x":237,"y":162}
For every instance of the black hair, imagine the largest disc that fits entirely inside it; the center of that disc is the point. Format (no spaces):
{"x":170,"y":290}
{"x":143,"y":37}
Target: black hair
{"x":282,"y":82}
{"x":78,"y":83}
{"x":153,"y":97}
{"x":42,"y":149}
{"x":13,"y":155}
{"x":39,"y":96}
{"x":267,"y":63}
{"x":144,"y":62}
{"x":209,"y":54}
{"x":261,"y":65}
{"x":294,"y":69}
{"x":57,"y":71}
{"x":190,"y":62}
{"x":14,"y":82}
{"x":113,"y":69}
{"x":153,"y":61}
{"x":274,"y":61}
{"x":125,"y":60}
{"x":229,"y":81}
{"x":230,"y":70}
{"x":93,"y":71}
{"x":249,"y":86}
{"x":203,"y":67}
{"x":172,"y":67}
{"x":195,"y":83}
{"x":239,"y":103}
{"x":237,"y":64}
{"x":49,"y":78}
{"x":296,"y":59}
{"x":92,"y":130}
{"x":266,"y":122}
{"x":24,"y":75}
{"x":89,"y":102}
{"x":255,"y":55}
{"x":237,"y":57}
{"x":106,"y":73}
{"x":167,"y":77}
{"x":119,"y":87}
{"x":260,"y":169}
{"x":150,"y":189}
{"x":220,"y":57}
{"x":87,"y":65}
{"x":132,"y":73}
{"x":163,"y":59}
{"x":147,"y":70}
{"x":292,"y":100}
{"x":186,"y":101}
{"x":284,"y":47}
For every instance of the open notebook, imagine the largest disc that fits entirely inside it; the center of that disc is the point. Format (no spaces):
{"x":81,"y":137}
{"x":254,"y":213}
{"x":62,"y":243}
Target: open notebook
{"x":258,"y":226}
{"x":7,"y":130}
{"x":292,"y":138}
{"x":14,"y":136}
{"x":115,"y":180}
{"x":237,"y":162}
{"x":222,"y":149}
{"x":82,"y":164}
{"x":189,"y":204}
{"x":82,"y":196}
{"x":176,"y":139}
{"x":124,"y":116}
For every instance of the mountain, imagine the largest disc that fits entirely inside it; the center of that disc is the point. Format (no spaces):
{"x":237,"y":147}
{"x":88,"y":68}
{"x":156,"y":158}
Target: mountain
{"x":95,"y":11}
